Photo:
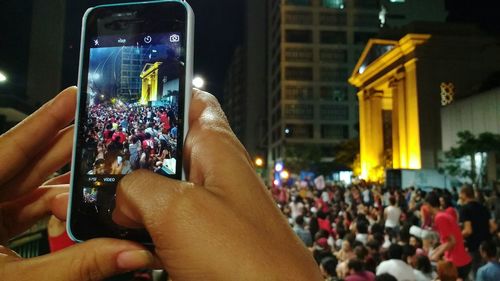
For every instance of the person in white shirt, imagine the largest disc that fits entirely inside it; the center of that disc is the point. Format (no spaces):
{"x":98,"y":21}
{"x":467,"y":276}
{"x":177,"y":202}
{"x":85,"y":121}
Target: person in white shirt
{"x":395,"y":266}
{"x":296,"y":207}
{"x":392,"y":213}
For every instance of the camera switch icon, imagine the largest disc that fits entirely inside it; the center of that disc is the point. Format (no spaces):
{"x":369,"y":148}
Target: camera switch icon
{"x":175,"y":38}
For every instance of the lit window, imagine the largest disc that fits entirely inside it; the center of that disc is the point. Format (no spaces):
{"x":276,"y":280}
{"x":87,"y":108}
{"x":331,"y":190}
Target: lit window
{"x":398,"y":1}
{"x":336,"y":4}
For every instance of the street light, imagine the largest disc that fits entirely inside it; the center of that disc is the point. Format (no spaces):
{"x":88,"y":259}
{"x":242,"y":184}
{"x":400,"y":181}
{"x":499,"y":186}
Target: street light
{"x":284,"y":174}
{"x":278,"y":167}
{"x":259,"y":162}
{"x":3,"y":77}
{"x":198,"y":82}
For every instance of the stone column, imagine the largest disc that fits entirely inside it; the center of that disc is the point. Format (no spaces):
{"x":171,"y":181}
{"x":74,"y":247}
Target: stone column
{"x":412,"y":116}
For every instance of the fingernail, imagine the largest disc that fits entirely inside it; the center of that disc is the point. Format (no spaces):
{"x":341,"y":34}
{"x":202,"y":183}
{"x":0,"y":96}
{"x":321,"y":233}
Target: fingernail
{"x":135,"y":259}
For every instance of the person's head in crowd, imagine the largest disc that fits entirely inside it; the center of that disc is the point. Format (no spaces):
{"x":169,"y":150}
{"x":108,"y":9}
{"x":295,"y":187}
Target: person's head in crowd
{"x":445,"y":201}
{"x":409,"y":255}
{"x":321,"y":234}
{"x":432,"y":201}
{"x":488,"y":250}
{"x":447,"y":271}
{"x":404,"y":234}
{"x":379,"y":237}
{"x":362,"y":227}
{"x":466,"y":194}
{"x":322,"y":245}
{"x":392,"y":200}
{"x":328,"y":266}
{"x":355,"y":266}
{"x":346,"y":246}
{"x":299,"y":221}
{"x":395,"y":252}
{"x":385,"y":277}
{"x":361,"y":252}
{"x":322,"y":215}
{"x":373,"y":246}
{"x":341,"y":231}
{"x":423,"y":264}
{"x":148,"y":136}
{"x":377,"y":228}
{"x":351,"y":237}
{"x":415,"y":242}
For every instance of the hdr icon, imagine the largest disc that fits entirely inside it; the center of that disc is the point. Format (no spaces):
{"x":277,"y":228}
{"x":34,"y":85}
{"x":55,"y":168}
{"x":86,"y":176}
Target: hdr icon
{"x":175,"y":38}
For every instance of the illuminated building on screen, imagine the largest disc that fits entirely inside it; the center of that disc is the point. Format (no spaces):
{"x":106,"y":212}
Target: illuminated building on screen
{"x":402,"y":85}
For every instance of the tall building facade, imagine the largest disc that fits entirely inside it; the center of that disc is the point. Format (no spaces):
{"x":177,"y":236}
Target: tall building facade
{"x":312,"y":46}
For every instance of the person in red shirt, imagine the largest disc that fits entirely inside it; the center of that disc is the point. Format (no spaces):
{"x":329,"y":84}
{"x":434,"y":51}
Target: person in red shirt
{"x":452,"y":242}
{"x":120,"y":135}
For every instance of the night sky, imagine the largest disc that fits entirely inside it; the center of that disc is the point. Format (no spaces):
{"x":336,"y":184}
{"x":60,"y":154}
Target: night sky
{"x":219,"y":29}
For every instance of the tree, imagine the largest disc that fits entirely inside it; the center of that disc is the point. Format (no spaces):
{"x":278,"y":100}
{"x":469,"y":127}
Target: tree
{"x":470,"y":148}
{"x":347,"y":154}
{"x":300,"y":157}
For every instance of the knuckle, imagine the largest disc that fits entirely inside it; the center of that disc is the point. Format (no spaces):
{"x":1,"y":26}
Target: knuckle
{"x":207,"y":98}
{"x":87,"y":267}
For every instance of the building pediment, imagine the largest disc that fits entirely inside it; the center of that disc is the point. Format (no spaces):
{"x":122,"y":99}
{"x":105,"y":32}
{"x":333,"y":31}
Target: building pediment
{"x":380,"y":54}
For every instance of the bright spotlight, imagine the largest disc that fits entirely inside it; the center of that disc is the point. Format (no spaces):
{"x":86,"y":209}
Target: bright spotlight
{"x":3,"y":77}
{"x":259,"y":162}
{"x":278,"y":167}
{"x":198,"y":82}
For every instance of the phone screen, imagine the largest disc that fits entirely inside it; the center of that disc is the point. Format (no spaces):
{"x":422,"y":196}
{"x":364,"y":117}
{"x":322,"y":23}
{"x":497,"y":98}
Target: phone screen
{"x":131,"y":108}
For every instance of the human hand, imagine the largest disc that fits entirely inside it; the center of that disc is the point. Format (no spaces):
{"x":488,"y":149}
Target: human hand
{"x":30,"y":152}
{"x":222,"y":224}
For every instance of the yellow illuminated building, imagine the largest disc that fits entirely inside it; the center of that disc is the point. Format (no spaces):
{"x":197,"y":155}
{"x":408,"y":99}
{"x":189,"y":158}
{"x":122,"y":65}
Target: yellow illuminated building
{"x":386,"y":78}
{"x":149,"y":76}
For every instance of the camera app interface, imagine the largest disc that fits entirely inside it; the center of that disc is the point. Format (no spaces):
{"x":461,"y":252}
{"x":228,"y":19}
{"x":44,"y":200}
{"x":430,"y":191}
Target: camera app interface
{"x":132,"y":112}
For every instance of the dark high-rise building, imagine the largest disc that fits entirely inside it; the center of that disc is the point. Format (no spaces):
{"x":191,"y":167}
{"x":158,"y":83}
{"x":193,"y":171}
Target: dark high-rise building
{"x":245,"y":86}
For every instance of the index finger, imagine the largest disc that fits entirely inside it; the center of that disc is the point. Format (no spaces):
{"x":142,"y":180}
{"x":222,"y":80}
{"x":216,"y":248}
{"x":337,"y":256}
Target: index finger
{"x":27,"y":139}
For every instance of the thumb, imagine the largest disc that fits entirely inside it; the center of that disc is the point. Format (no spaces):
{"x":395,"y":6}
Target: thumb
{"x":92,"y":260}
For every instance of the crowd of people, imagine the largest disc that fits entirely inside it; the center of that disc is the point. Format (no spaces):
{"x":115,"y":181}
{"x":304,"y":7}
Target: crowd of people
{"x":367,"y":232}
{"x":120,"y":138}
